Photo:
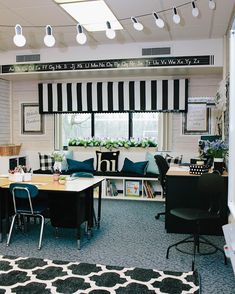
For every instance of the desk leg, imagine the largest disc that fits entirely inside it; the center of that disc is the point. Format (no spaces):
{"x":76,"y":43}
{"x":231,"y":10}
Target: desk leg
{"x":99,"y":206}
{"x":78,"y":217}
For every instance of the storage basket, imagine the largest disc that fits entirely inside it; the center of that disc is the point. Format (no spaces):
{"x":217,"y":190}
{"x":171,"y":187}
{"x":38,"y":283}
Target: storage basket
{"x":9,"y":149}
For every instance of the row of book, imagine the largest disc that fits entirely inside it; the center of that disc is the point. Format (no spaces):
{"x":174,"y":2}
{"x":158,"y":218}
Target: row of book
{"x":111,"y":188}
{"x":148,"y":190}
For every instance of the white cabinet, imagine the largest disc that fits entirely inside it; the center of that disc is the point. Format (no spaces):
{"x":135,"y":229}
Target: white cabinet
{"x":10,"y":162}
{"x":132,"y":188}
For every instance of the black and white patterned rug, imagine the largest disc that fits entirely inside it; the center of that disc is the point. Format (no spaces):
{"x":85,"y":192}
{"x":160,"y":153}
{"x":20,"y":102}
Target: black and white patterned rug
{"x":23,"y":275}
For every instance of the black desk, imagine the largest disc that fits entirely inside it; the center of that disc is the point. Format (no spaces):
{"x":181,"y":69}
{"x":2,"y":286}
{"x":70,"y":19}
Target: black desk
{"x":70,"y":205}
{"x":181,"y":191}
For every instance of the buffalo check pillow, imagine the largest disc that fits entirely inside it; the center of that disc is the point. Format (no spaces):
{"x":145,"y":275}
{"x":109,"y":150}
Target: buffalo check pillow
{"x":46,"y":161}
{"x":173,"y":160}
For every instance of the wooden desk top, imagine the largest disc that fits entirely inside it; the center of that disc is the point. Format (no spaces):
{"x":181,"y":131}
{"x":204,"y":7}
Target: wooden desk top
{"x":45,"y":182}
{"x":183,"y":171}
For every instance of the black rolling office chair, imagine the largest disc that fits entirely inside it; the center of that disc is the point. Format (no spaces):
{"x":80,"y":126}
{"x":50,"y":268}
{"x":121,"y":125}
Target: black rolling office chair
{"x":163,"y":168}
{"x":25,"y":204}
{"x":210,"y":187}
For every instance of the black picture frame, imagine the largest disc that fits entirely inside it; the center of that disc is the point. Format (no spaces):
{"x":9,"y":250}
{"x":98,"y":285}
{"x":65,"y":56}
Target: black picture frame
{"x":197,"y":120}
{"x":32,"y":122}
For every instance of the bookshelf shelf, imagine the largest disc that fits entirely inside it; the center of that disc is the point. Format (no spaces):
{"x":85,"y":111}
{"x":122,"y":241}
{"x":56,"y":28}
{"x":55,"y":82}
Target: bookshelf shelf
{"x":132,"y":188}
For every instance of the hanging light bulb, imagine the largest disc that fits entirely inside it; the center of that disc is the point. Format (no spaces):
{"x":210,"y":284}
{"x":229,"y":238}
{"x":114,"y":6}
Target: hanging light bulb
{"x":110,"y":33}
{"x":195,"y":10}
{"x":159,"y":21}
{"x":81,"y":37}
{"x":19,"y":40}
{"x":176,"y":17}
{"x":212,"y":4}
{"x":137,"y":25}
{"x":49,"y":39}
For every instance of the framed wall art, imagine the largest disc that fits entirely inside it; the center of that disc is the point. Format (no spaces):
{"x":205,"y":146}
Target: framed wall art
{"x":32,"y":121}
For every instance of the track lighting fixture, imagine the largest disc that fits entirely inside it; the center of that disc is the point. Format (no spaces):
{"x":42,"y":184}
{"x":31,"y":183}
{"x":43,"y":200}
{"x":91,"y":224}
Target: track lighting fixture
{"x":49,"y":39}
{"x":19,"y":39}
{"x":212,"y":4}
{"x":137,"y":25}
{"x":195,"y":10}
{"x":110,"y":33}
{"x":81,"y":37}
{"x":176,"y":17}
{"x":159,"y":21}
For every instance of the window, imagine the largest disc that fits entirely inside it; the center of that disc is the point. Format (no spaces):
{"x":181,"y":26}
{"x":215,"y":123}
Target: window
{"x":103,"y":125}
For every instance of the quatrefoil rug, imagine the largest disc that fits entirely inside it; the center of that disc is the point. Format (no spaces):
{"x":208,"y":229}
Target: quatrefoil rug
{"x":24,"y":275}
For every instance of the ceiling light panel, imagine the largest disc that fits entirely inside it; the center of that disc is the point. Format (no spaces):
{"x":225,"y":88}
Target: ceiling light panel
{"x":92,"y":15}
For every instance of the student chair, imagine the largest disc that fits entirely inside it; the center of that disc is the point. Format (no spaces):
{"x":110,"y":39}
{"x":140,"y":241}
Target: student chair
{"x":163,"y":168}
{"x":24,"y":203}
{"x":210,"y":189}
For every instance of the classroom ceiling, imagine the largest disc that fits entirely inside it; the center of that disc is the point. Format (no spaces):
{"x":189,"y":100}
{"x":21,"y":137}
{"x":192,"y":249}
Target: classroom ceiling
{"x":34,"y":15}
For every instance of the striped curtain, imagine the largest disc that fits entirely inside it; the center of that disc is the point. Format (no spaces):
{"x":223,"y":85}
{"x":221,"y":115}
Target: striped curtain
{"x":137,"y":96}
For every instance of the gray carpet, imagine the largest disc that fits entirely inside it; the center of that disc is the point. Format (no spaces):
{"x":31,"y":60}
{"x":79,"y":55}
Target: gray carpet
{"x":131,"y":237}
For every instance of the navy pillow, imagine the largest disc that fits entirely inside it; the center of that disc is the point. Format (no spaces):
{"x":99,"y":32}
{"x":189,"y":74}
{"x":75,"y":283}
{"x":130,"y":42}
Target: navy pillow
{"x":81,"y":166}
{"x":135,"y":167}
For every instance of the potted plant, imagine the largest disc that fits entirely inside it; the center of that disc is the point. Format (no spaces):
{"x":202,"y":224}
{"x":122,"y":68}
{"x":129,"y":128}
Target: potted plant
{"x":217,"y":150}
{"x":58,"y":158}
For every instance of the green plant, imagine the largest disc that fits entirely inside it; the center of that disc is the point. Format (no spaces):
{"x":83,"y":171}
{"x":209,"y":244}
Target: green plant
{"x":113,"y":143}
{"x":58,"y":156}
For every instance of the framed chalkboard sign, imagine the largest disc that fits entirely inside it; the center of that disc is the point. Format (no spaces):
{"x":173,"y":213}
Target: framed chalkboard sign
{"x":196,"y":120}
{"x":32,"y":120}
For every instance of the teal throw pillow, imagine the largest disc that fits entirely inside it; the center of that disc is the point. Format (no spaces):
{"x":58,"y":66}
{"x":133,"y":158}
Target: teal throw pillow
{"x":152,"y":166}
{"x":81,"y":166}
{"x":134,"y":167}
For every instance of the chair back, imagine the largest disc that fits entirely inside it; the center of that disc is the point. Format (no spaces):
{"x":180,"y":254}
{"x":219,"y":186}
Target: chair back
{"x":24,"y":193}
{"x":211,"y":187}
{"x":82,"y":175}
{"x":163,"y":168}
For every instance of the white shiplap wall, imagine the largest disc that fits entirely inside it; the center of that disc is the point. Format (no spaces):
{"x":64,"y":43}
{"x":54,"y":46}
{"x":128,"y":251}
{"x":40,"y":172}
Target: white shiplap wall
{"x":203,"y":86}
{"x":26,"y":92}
{"x":5,"y":126}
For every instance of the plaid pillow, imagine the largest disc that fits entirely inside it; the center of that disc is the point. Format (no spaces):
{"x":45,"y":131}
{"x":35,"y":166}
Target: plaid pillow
{"x":46,"y":161}
{"x":173,"y":160}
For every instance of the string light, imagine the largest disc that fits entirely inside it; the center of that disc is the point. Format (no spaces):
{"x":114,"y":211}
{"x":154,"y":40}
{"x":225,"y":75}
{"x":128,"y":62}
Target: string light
{"x":137,"y":25}
{"x":49,"y":40}
{"x":81,"y":37}
{"x":176,"y":17}
{"x":159,"y":21}
{"x":19,"y":40}
{"x":110,"y":33}
{"x":212,"y":4}
{"x":195,"y":10}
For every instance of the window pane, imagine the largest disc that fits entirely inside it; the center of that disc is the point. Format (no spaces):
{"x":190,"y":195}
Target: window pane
{"x":75,"y":126}
{"x":145,"y":125}
{"x":112,"y":125}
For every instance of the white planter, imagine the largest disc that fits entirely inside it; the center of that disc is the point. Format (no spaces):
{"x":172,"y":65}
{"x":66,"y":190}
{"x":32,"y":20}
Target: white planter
{"x":16,"y":177}
{"x":27,"y":177}
{"x":57,"y":165}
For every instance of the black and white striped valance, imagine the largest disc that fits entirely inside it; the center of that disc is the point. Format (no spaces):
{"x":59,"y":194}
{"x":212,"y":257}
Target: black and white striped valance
{"x":138,"y":96}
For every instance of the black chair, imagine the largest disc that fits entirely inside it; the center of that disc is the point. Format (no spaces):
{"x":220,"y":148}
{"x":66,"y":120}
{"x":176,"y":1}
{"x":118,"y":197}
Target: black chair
{"x":25,"y":204}
{"x":163,"y":168}
{"x":210,"y":189}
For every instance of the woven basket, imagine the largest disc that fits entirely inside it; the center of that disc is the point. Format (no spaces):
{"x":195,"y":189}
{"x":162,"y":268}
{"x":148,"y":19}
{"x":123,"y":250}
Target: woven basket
{"x":9,"y":149}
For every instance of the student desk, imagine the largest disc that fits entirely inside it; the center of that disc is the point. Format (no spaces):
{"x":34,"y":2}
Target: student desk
{"x":181,"y":191}
{"x":69,"y":204}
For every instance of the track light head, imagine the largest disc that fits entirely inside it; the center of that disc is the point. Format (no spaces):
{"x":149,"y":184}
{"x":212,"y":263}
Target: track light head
{"x":195,"y":10}
{"x":81,"y":36}
{"x":212,"y":4}
{"x":110,"y":33}
{"x":19,"y":39}
{"x":176,"y":17}
{"x":137,"y":25}
{"x":159,"y":21}
{"x":49,"y":39}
